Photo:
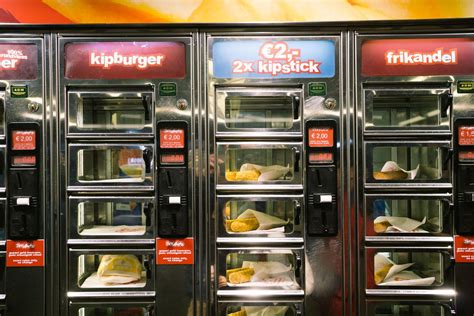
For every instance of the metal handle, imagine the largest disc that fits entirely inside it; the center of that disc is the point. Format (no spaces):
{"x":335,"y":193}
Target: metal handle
{"x":449,"y":308}
{"x":297,"y":159}
{"x":449,"y":156}
{"x":147,"y":159}
{"x":147,"y":211}
{"x":446,"y":100}
{"x":297,"y":212}
{"x":146,"y":100}
{"x":147,"y":264}
{"x":296,"y":107}
{"x":298,"y":266}
{"x":150,"y":310}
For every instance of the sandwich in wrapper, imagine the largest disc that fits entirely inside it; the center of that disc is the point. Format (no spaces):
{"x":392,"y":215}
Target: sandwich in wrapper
{"x":262,"y":274}
{"x":392,"y":171}
{"x":251,"y":220}
{"x":119,"y":269}
{"x":387,"y":273}
{"x":395,"y":224}
{"x":261,"y":311}
{"x":253,"y":172}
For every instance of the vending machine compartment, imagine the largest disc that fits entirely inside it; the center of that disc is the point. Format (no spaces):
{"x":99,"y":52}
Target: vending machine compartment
{"x":259,"y":111}
{"x":260,"y":307}
{"x":260,"y":218}
{"x":408,"y":217}
{"x":117,"y":166}
{"x":259,"y":165}
{"x":408,"y":164}
{"x":110,"y":308}
{"x":107,"y":272}
{"x":409,"y":270}
{"x":268,"y":271}
{"x":408,"y":107}
{"x":406,"y":307}
{"x":111,"y":219}
{"x":110,"y":111}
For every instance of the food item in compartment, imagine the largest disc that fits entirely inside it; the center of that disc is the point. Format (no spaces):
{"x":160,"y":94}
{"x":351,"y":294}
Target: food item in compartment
{"x":246,"y":175}
{"x":251,"y":220}
{"x":392,"y":171}
{"x":239,"y":275}
{"x":253,"y":172}
{"x":396,"y":224}
{"x":388,"y":273}
{"x":119,"y":269}
{"x":239,"y":313}
{"x":131,"y":163}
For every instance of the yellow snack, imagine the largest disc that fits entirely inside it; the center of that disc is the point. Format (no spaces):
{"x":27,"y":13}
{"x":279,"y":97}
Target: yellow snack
{"x":119,"y":269}
{"x":227,"y":210}
{"x":243,"y":275}
{"x":381,"y":227}
{"x":380,"y":275}
{"x":239,"y":313}
{"x":390,"y":175}
{"x":244,"y":224}
{"x":248,"y":175}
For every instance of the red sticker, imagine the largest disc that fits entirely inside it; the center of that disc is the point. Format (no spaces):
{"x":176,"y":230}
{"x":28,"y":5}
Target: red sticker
{"x":417,"y":57}
{"x":175,"y":251}
{"x":171,"y":138}
{"x":464,"y":249}
{"x":21,"y":253}
{"x":24,"y":140}
{"x":466,"y":135}
{"x":125,"y":60}
{"x":321,"y":137}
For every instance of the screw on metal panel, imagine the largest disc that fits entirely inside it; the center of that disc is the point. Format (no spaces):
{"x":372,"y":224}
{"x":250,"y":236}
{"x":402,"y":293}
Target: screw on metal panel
{"x":33,"y":107}
{"x":330,"y":103}
{"x":182,"y":104}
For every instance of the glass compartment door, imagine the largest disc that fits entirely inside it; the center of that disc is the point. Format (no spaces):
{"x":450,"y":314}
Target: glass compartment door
{"x":416,"y":215}
{"x":111,"y":112}
{"x":98,"y":165}
{"x":261,"y":308}
{"x":273,"y":217}
{"x":408,"y":308}
{"x":111,"y":309}
{"x":265,"y":111}
{"x":111,"y":218}
{"x":259,"y":164}
{"x":408,"y":108}
{"x":408,"y":163}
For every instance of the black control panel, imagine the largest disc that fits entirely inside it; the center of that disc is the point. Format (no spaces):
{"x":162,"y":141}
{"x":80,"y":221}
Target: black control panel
{"x":172,"y":152}
{"x":464,"y":175}
{"x":23,"y":181}
{"x":321,"y":178}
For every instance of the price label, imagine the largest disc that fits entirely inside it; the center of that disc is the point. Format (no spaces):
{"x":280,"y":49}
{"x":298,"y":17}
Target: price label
{"x":24,"y":140}
{"x":466,"y":135}
{"x":174,"y":251}
{"x":25,"y":253}
{"x":321,"y":137}
{"x":171,"y":138}
{"x":464,"y":249}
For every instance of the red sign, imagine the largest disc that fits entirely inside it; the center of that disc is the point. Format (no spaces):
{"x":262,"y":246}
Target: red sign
{"x":464,"y":249}
{"x":417,"y":57}
{"x":171,"y":138}
{"x":24,"y":140}
{"x":172,"y":158}
{"x":175,"y":251}
{"x":18,"y":61}
{"x":125,"y":60}
{"x":466,"y":135}
{"x":321,"y":137}
{"x":25,"y":253}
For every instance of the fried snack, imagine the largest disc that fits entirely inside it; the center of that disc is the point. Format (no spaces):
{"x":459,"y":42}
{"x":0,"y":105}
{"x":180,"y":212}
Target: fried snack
{"x":242,"y":224}
{"x":248,"y":175}
{"x":380,"y":274}
{"x":390,"y":175}
{"x":239,"y":313}
{"x":240,"y":275}
{"x":381,"y":227}
{"x":119,"y":269}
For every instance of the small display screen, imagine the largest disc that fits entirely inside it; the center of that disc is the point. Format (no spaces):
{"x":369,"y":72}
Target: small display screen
{"x":466,"y":135}
{"x":321,"y":137}
{"x":172,"y":159}
{"x":315,"y":158}
{"x":466,"y":155}
{"x":23,"y":140}
{"x":24,"y":160}
{"x":172,"y":138}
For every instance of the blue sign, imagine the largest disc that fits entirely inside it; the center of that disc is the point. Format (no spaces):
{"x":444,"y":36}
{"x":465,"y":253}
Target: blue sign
{"x":273,"y":58}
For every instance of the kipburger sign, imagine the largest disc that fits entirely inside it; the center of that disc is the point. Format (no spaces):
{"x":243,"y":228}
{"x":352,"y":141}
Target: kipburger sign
{"x":125,"y":60}
{"x":417,"y":57}
{"x":18,"y":61}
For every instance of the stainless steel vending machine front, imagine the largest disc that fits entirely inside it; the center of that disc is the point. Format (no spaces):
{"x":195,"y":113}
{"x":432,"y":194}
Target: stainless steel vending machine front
{"x":24,"y":186}
{"x":126,"y":175}
{"x":274,"y":182}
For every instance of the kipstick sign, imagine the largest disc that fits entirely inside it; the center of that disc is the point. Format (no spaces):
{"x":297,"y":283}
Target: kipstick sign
{"x":417,"y":57}
{"x":125,"y":60}
{"x":271,"y":58}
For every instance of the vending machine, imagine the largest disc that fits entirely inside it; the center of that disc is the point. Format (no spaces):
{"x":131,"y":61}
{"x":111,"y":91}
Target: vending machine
{"x":413,"y":122}
{"x":274,"y":195}
{"x":25,"y":222}
{"x":126,"y":182}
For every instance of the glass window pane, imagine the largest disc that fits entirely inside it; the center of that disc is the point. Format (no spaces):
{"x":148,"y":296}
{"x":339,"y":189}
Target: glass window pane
{"x":261,"y":310}
{"x":408,"y":310}
{"x":112,"y":311}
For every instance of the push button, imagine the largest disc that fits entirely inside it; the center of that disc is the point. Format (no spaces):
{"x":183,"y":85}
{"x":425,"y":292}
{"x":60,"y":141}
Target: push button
{"x":174,"y":200}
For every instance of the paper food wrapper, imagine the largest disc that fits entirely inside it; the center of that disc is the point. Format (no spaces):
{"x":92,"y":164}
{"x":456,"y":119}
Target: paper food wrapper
{"x":267,"y":173}
{"x":397,"y":274}
{"x":265,"y":221}
{"x":94,"y":282}
{"x":401,"y":224}
{"x":391,"y":166}
{"x":265,"y":310}
{"x":269,"y":274}
{"x":120,"y":230}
